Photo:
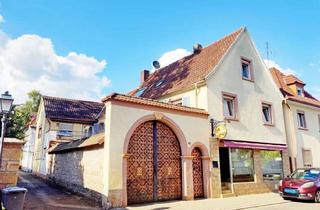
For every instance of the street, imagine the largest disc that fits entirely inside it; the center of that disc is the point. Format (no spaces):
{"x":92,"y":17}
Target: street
{"x":42,"y":196}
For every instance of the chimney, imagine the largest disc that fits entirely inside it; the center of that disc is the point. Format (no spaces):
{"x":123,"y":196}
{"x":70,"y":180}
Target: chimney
{"x":144,"y":75}
{"x":197,"y":48}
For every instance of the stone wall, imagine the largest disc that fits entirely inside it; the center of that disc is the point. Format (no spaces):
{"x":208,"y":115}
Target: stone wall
{"x":79,"y":171}
{"x":10,"y":163}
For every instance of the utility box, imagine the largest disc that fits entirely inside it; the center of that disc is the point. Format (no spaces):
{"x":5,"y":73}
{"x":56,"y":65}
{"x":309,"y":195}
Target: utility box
{"x":13,"y":198}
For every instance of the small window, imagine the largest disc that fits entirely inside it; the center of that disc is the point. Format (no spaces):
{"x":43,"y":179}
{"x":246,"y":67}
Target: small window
{"x":186,"y":101}
{"x":246,"y":68}
{"x":301,"y":119}
{"x":65,"y":129}
{"x":307,"y":157}
{"x":267,"y":113}
{"x":139,"y":92}
{"x":300,"y":91}
{"x":229,"y":106}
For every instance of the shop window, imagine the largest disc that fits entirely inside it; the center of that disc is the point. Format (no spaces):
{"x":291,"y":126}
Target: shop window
{"x":272,"y":165}
{"x":242,"y":165}
{"x":301,"y":119}
{"x":267,"y":113}
{"x":230,"y":106}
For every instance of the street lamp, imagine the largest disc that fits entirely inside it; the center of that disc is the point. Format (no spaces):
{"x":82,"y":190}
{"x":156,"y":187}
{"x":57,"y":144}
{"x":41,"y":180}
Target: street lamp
{"x":5,"y":107}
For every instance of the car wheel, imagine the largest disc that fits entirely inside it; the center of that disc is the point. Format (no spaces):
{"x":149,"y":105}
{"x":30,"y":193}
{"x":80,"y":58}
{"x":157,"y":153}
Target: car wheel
{"x":317,"y":197}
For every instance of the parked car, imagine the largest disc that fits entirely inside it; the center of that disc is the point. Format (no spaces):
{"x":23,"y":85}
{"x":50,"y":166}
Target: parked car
{"x":302,"y":184}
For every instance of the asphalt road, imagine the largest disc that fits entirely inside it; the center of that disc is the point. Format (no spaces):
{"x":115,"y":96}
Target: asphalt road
{"x":291,"y":205}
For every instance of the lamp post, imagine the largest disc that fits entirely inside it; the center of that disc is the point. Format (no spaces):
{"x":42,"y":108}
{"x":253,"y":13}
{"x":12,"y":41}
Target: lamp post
{"x":5,"y":107}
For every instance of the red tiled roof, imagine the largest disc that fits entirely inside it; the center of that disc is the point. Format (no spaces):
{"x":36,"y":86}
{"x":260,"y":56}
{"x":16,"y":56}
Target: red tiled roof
{"x":70,"y":110}
{"x":153,"y":103}
{"x":291,"y":79}
{"x":282,"y":82}
{"x":187,"y":71}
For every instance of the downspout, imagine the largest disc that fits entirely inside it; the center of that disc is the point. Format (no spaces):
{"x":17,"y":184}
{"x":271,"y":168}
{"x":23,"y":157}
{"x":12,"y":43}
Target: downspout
{"x":197,"y":90}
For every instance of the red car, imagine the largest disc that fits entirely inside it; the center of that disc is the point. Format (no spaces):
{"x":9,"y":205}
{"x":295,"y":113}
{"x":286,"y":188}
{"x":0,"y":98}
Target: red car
{"x":302,"y":184}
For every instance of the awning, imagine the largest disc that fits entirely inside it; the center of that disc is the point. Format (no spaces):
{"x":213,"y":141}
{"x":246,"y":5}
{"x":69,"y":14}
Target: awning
{"x":254,"y":145}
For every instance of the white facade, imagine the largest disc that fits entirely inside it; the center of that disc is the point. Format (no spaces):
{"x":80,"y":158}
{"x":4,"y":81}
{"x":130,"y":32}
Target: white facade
{"x":28,"y":149}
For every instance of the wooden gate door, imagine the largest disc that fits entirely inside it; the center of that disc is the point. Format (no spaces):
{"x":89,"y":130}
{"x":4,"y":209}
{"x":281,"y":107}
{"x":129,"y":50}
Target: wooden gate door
{"x":198,"y":191}
{"x":154,"y":164}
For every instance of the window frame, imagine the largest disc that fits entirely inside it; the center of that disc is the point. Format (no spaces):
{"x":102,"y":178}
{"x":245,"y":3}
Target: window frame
{"x":65,"y":132}
{"x":232,"y":150}
{"x":247,"y":61}
{"x":234,"y":97}
{"x":302,"y":91}
{"x":304,"y":120}
{"x":271,"y":110}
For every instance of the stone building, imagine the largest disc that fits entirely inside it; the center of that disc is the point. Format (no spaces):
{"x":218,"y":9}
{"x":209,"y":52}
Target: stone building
{"x":157,"y":141}
{"x":302,"y":120}
{"x":61,"y":120}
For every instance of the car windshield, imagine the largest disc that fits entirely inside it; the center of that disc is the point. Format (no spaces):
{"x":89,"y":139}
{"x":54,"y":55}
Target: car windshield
{"x":309,"y":174}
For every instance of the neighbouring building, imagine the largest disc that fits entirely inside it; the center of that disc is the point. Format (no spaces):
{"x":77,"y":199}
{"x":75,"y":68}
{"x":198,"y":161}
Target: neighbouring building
{"x":10,"y":162}
{"x":61,"y":120}
{"x":28,"y":146}
{"x":157,"y":141}
{"x":302,"y":120}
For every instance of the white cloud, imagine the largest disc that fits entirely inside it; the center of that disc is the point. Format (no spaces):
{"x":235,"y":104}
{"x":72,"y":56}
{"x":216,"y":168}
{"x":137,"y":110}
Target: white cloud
{"x":286,"y":70}
{"x":30,"y":62}
{"x":172,"y":56}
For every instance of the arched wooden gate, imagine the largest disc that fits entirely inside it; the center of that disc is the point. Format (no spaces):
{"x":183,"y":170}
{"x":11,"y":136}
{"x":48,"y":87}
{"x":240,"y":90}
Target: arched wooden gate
{"x":154,"y":164}
{"x":198,"y":191}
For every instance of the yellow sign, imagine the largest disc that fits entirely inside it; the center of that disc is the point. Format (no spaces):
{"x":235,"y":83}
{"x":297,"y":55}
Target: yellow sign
{"x":220,"y":130}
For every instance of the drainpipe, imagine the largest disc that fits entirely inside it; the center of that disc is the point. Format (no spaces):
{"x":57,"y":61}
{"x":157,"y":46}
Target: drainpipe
{"x":196,"y":93}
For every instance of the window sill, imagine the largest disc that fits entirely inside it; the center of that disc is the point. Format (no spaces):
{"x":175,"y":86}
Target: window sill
{"x":269,"y":124}
{"x":249,"y":80}
{"x":231,"y":119}
{"x":304,"y":129}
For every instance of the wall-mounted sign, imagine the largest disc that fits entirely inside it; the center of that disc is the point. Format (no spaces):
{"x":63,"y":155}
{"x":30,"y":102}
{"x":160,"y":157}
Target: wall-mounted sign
{"x":218,"y":129}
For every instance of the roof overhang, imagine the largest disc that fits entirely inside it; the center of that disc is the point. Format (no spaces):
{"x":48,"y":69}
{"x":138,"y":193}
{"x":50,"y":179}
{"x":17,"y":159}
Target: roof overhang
{"x":254,"y":145}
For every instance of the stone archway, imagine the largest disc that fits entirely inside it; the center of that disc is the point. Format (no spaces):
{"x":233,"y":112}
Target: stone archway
{"x":153,"y":164}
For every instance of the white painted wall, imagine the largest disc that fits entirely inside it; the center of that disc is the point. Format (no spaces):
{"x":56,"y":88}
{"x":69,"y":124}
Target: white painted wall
{"x":28,"y":150}
{"x":304,"y":139}
{"x":228,"y":78}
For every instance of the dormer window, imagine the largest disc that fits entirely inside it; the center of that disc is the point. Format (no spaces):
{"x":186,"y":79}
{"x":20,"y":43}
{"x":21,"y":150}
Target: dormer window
{"x":246,"y":69}
{"x":300,"y":91}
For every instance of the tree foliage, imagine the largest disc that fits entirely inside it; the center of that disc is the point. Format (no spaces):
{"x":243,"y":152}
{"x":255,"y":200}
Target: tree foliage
{"x":19,"y":117}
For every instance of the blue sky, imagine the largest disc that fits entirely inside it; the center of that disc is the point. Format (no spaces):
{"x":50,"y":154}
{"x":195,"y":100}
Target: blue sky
{"x":123,"y":37}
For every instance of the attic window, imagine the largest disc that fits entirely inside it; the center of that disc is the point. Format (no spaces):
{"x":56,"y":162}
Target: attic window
{"x":300,"y":91}
{"x":139,"y":92}
{"x":159,"y":84}
{"x":246,"y":69}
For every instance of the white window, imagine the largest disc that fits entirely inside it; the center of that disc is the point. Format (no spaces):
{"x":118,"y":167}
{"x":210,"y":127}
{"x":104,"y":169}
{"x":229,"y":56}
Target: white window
{"x":229,"y":106}
{"x":307,"y":157}
{"x":186,"y":101}
{"x":246,"y":68}
{"x":267,"y":113}
{"x":65,"y":129}
{"x":300,"y":91}
{"x":301,"y":119}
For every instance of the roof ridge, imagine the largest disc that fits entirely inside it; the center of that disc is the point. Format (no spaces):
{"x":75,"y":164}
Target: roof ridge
{"x":70,"y":99}
{"x":192,"y":54}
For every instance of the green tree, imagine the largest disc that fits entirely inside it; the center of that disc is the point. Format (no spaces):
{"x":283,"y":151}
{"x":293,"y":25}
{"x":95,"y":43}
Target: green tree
{"x":19,"y":117}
